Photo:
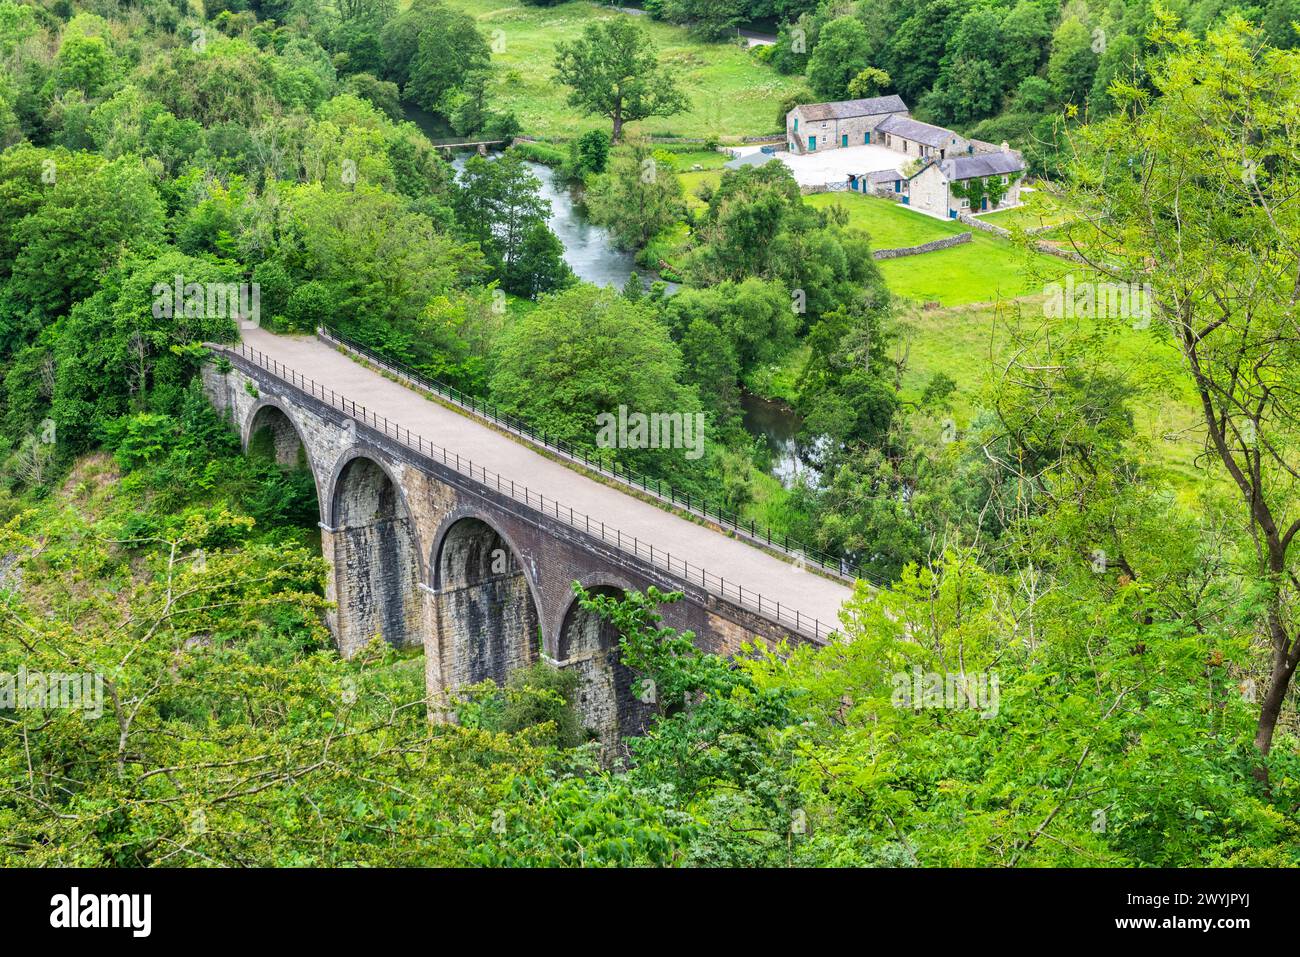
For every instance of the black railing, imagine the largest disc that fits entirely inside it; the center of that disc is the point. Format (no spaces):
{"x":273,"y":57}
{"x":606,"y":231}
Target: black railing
{"x":748,"y":599}
{"x":666,"y":492}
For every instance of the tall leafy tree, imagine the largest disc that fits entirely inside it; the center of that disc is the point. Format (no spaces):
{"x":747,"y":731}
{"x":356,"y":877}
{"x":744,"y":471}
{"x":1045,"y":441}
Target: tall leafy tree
{"x":841,"y":54}
{"x":1192,"y":192}
{"x":499,"y":206}
{"x":638,"y":196}
{"x":612,"y":70}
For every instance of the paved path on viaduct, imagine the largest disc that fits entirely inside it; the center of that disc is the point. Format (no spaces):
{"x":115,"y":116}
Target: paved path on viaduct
{"x":758,"y":572}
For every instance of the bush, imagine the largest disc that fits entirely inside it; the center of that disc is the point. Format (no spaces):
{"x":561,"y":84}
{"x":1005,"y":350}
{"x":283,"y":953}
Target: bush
{"x":543,"y":153}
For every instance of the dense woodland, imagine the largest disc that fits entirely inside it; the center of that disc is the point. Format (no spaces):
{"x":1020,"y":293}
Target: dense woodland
{"x":1147,"y":714}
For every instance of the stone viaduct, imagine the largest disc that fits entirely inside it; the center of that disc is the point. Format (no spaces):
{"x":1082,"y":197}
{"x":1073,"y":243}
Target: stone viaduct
{"x":430,"y":551}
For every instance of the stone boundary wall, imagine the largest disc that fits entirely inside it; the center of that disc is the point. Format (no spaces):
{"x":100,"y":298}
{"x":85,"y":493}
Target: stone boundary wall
{"x":1042,"y":247}
{"x":946,"y":243}
{"x":969,"y":220}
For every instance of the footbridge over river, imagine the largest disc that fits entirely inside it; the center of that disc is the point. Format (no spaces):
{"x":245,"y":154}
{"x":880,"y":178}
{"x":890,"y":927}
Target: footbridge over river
{"x":445,"y":531}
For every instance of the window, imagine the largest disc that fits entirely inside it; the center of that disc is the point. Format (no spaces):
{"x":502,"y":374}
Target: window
{"x":965,"y":204}
{"x":1006,"y":180}
{"x":796,"y":124}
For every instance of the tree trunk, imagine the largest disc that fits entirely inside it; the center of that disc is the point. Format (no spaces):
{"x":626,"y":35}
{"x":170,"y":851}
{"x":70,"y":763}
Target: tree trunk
{"x":1279,"y":680}
{"x":618,"y":120}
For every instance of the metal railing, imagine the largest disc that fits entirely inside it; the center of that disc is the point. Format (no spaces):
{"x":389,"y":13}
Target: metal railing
{"x":666,"y":492}
{"x":732,"y":591}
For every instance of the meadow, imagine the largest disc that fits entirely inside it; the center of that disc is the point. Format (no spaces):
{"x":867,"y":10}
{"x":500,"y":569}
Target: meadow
{"x":986,"y":269}
{"x":961,"y":307}
{"x":732,"y":95}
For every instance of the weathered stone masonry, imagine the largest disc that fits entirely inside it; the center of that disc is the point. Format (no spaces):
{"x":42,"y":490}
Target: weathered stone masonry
{"x":422,"y":555}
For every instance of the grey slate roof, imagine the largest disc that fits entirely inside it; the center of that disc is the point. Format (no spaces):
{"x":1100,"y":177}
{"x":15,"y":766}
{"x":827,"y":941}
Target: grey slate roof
{"x":845,"y":109}
{"x":917,"y":132}
{"x":751,"y":159}
{"x":884,"y":176}
{"x":982,"y":164}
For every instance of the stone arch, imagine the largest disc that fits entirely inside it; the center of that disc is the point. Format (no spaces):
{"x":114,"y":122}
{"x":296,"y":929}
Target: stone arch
{"x":270,"y":429}
{"x":271,"y":419}
{"x":377,"y":556}
{"x":486,"y":602}
{"x":610,"y":693}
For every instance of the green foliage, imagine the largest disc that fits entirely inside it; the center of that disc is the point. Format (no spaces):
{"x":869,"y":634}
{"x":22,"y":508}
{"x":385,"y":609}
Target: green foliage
{"x":840,"y":56}
{"x":498,"y":205}
{"x":637,"y":198}
{"x":586,"y":351}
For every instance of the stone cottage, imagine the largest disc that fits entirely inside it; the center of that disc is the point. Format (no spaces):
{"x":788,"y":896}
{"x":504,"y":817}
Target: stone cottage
{"x":823,"y":126}
{"x":944,"y":188}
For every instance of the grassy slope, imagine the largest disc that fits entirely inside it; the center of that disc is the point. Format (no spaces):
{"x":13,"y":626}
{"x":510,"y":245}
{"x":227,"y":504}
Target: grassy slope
{"x":971,"y":344}
{"x":979,"y":286}
{"x":1038,"y":208}
{"x":984,"y":270}
{"x":731,"y":94}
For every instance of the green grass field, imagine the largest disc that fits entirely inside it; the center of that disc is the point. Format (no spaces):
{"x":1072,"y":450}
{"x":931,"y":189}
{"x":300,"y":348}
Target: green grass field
{"x":732,"y":95}
{"x":1037,"y":208}
{"x":971,"y":344}
{"x":986,"y":269}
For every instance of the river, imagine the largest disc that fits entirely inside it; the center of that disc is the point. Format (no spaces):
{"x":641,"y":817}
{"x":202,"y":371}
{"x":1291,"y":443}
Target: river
{"x":778,"y":426}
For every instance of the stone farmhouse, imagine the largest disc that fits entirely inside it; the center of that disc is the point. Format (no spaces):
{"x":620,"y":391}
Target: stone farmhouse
{"x":829,"y":126}
{"x":926,"y":167}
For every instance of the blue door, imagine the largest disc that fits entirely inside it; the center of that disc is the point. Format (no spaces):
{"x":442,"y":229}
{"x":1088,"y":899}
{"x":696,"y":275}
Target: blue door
{"x":866,"y":137}
{"x":984,"y":204}
{"x":898,"y":186}
{"x":812,"y":143}
{"x":844,"y":140}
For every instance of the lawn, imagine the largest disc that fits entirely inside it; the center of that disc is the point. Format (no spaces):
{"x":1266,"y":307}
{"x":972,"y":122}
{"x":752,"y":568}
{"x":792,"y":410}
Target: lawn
{"x":985,"y":269}
{"x":889,"y":225}
{"x":731,"y":94}
{"x":693,"y":181}
{"x":1039,"y":208}
{"x":685,"y":162}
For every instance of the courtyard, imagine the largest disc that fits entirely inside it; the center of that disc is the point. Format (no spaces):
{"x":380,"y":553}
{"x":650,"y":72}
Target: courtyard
{"x":835,"y":165}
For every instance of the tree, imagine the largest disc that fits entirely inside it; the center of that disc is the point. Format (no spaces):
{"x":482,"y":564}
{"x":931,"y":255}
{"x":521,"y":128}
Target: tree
{"x":707,"y":19}
{"x":613,"y":71}
{"x":498,"y":205}
{"x":840,"y":55}
{"x":712,"y":367}
{"x":589,"y":153}
{"x":379,"y":262}
{"x":82,"y":227}
{"x":870,"y":82}
{"x":1025,"y":39}
{"x":540,"y":265}
{"x":450,"y":48}
{"x":586,"y":351}
{"x":114,"y":350}
{"x":637,"y":197}
{"x":1072,"y":63}
{"x":1192,"y":195}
